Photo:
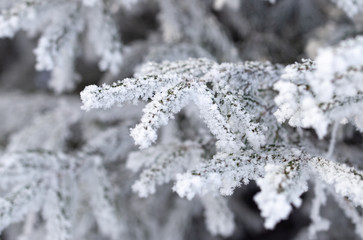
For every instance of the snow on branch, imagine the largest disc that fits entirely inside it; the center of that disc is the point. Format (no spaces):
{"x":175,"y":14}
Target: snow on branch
{"x":49,"y":186}
{"x":280,"y":187}
{"x":20,"y":201}
{"x":60,"y":24}
{"x":235,"y":101}
{"x":203,"y":126}
{"x":281,"y":172}
{"x":153,"y":77}
{"x":209,"y":85}
{"x":347,"y":181}
{"x":316,"y":94}
{"x":227,"y":171}
{"x":161,"y":164}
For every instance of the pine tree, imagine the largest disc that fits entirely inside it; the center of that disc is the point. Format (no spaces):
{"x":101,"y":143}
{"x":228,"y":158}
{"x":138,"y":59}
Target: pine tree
{"x":213,"y":97}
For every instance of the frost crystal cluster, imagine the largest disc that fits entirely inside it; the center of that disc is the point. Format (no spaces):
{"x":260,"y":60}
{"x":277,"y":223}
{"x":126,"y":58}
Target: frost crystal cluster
{"x":194,"y":119}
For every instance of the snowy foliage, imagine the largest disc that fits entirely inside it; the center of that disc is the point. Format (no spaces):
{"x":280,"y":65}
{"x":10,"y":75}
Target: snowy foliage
{"x":234,"y":101}
{"x":186,"y":124}
{"x":316,"y":94}
{"x":60,"y":24}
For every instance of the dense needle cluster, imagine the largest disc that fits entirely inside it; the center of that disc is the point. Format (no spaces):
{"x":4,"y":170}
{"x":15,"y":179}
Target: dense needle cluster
{"x":216,"y":107}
